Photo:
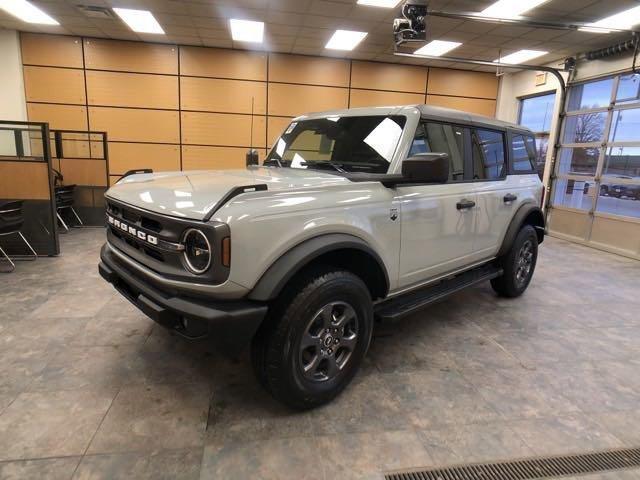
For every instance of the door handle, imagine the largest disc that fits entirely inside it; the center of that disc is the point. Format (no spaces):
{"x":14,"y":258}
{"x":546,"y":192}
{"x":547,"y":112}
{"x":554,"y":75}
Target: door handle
{"x":465,"y":204}
{"x":509,"y":197}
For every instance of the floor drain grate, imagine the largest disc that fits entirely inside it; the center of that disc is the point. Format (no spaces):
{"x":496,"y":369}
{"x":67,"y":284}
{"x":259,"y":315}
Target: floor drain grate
{"x":530,"y":468}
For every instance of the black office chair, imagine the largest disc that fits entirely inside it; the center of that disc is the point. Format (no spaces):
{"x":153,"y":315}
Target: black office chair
{"x":11,"y":222}
{"x":64,"y":198}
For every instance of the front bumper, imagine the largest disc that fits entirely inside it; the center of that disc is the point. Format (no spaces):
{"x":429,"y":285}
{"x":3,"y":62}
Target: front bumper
{"x":230,"y":323}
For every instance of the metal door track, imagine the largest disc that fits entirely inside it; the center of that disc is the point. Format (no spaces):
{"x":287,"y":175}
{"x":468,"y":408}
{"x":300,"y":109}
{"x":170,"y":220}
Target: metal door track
{"x":531,"y":468}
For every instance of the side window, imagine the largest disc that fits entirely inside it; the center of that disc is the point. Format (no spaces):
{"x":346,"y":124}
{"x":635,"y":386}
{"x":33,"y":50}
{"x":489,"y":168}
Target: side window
{"x":442,"y":138}
{"x":523,"y":153}
{"x":488,"y":154}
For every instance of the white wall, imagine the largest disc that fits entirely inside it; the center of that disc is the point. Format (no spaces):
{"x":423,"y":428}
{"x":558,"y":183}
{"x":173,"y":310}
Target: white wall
{"x":12,"y":101}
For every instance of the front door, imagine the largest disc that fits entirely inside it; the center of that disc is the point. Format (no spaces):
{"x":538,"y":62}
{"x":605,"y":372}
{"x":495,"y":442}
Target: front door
{"x":438,"y":221}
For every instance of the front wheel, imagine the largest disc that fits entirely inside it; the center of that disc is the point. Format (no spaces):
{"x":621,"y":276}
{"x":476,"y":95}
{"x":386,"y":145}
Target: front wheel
{"x":315,"y":338}
{"x":518,"y":264}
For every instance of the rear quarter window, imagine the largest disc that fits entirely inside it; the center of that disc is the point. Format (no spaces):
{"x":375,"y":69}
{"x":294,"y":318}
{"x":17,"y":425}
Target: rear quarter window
{"x":523,"y":153}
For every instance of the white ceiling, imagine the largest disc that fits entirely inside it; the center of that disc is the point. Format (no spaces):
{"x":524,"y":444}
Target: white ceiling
{"x":304,"y":26}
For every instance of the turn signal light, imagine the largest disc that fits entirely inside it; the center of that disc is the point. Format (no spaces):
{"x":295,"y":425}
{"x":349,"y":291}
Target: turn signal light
{"x":226,"y":251}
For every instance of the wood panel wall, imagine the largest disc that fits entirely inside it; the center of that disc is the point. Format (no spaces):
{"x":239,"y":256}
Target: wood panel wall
{"x":171,"y":107}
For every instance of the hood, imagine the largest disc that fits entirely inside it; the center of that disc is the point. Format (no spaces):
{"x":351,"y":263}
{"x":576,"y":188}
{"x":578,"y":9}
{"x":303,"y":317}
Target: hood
{"x":193,"y":194}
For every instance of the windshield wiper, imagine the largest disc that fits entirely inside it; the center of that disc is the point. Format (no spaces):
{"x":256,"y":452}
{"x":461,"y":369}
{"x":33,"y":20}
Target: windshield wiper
{"x":271,"y":161}
{"x":336,"y":166}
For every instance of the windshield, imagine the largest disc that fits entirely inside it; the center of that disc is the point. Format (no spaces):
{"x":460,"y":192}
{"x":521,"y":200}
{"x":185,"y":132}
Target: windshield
{"x":342,"y":144}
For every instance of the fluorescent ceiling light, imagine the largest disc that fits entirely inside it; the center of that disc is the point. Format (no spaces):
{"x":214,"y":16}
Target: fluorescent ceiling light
{"x":141,"y":21}
{"x":26,"y":12}
{"x":247,"y":31}
{"x":436,"y":48}
{"x":521,"y":56}
{"x":622,"y":21}
{"x":510,"y":8}
{"x":380,"y":3}
{"x":345,"y":40}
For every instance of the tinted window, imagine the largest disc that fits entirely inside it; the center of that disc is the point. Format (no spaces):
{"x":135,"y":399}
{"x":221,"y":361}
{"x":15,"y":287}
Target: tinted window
{"x":488,"y":155}
{"x":352,"y":144}
{"x":523,"y":153}
{"x":442,"y":138}
{"x":591,"y":95}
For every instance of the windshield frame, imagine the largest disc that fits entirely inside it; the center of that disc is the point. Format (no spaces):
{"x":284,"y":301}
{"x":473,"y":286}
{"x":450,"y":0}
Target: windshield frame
{"x":411,"y":115}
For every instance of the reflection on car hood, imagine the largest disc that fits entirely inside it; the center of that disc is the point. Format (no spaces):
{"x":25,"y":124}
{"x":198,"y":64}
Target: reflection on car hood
{"x":193,"y":194}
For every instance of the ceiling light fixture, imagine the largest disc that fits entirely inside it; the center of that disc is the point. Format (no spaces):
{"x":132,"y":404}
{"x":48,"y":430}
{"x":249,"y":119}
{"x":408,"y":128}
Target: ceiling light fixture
{"x":510,"y":8}
{"x":345,"y":40}
{"x":27,"y":12}
{"x":380,"y":3}
{"x":141,"y":21}
{"x":622,"y":21}
{"x":246,"y":31}
{"x":521,"y":56}
{"x":437,"y":48}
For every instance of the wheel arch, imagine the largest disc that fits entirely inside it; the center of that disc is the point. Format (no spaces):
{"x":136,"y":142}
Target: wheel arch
{"x":337,"y":249}
{"x":527,"y":214}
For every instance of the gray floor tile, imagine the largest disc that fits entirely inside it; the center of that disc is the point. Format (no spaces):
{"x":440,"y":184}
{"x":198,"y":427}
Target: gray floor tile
{"x":473,"y":443}
{"x":44,"y":469}
{"x":162,"y":465}
{"x":276,"y":459}
{"x":147,"y":418}
{"x":51,"y":424}
{"x":623,"y":425}
{"x":570,"y":434}
{"x":369,"y":455}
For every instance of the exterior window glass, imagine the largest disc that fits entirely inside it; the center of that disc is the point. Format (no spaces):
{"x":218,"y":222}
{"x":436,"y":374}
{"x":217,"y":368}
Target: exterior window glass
{"x":591,"y":95}
{"x":585,"y":128}
{"x":622,"y":161}
{"x":488,"y":155}
{"x":581,"y":161}
{"x":523,"y":152}
{"x":625,"y":126}
{"x":619,"y":199}
{"x":536,"y":113}
{"x":442,"y":138}
{"x":574,"y":193}
{"x":628,"y":88}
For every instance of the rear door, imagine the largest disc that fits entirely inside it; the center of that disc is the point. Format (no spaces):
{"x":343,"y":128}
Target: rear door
{"x":498,"y":193}
{"x":438,"y":220}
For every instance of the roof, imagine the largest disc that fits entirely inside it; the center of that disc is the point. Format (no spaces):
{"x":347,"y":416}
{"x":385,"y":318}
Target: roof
{"x":425,"y":111}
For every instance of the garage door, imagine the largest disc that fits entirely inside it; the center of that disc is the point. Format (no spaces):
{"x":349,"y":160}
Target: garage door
{"x":595,"y":195}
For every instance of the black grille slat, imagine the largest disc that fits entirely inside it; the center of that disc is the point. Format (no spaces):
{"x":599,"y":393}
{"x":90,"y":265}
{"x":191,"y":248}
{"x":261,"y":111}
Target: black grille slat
{"x":531,"y":468}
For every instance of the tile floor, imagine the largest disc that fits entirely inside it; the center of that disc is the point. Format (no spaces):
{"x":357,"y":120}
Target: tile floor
{"x":90,"y":388}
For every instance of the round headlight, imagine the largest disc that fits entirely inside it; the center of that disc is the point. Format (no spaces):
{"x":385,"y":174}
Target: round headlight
{"x":197,"y":251}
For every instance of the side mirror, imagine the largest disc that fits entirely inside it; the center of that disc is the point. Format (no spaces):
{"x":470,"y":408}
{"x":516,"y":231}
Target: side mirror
{"x":426,"y":168}
{"x":252,"y":157}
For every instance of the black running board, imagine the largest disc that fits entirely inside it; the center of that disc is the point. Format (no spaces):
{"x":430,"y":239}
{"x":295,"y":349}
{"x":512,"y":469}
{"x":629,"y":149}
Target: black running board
{"x":398,"y":307}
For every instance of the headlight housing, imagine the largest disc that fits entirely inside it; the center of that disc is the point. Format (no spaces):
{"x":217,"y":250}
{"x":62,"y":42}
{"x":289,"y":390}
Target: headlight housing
{"x":197,"y":251}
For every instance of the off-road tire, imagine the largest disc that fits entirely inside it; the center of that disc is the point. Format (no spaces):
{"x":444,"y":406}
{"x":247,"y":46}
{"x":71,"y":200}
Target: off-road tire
{"x":512,"y":283}
{"x":276,"y":348}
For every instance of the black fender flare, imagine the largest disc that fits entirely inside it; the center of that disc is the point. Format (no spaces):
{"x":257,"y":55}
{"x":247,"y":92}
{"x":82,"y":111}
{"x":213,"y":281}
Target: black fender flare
{"x":523,"y":212}
{"x":284,"y":268}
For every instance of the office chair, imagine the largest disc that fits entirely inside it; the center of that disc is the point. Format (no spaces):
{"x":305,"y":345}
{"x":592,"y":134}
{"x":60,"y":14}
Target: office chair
{"x":64,"y":198}
{"x":11,"y":222}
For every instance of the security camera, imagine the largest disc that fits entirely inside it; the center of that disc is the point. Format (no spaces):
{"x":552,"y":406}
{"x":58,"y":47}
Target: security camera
{"x":412,"y":27}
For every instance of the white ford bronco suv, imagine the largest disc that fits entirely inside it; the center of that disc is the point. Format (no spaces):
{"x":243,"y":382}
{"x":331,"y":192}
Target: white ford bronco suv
{"x":356,"y":215}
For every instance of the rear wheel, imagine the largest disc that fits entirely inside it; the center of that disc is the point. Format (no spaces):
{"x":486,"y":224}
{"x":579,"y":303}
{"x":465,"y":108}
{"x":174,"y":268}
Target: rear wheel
{"x":518,"y":264}
{"x":315,"y":338}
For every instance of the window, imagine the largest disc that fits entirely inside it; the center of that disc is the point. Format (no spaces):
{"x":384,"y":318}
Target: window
{"x":585,"y":128}
{"x":590,"y":95}
{"x":488,"y":155}
{"x":536,"y":113}
{"x":523,"y":150}
{"x":601,"y":138}
{"x":442,"y":138}
{"x":338,"y":144}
